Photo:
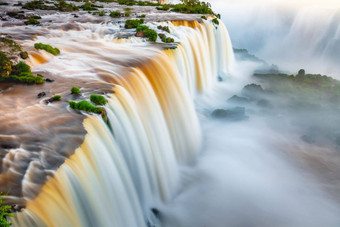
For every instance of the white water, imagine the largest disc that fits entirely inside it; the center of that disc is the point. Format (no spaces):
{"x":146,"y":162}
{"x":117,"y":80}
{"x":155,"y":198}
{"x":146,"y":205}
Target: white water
{"x":132,"y":164}
{"x":292,"y":34}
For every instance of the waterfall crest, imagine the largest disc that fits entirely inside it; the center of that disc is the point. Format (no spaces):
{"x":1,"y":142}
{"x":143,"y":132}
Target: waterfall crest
{"x":130,"y":164}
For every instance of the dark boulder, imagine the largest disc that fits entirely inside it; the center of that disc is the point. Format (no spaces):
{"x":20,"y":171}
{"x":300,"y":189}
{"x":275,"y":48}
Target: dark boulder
{"x":49,"y":80}
{"x":41,"y":94}
{"x":234,"y":114}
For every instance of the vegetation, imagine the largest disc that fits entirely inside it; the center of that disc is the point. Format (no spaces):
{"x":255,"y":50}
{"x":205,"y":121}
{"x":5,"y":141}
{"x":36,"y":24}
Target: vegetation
{"x":5,"y":65}
{"x":151,"y":34}
{"x":21,"y":67}
{"x":89,"y":7}
{"x":215,"y":21}
{"x":61,"y":5}
{"x":12,"y":13}
{"x":98,"y":99}
{"x":193,"y":6}
{"x":167,"y":39}
{"x":133,"y":23}
{"x":5,"y":211}
{"x":115,"y":14}
{"x":143,"y":16}
{"x":56,"y":97}
{"x":306,"y":86}
{"x":32,"y":21}
{"x":204,"y":17}
{"x":75,"y":90}
{"x":25,"y":78}
{"x":7,"y":43}
{"x":48,"y":48}
{"x":164,"y":7}
{"x":86,"y":106}
{"x":141,"y":28}
{"x":164,"y":28}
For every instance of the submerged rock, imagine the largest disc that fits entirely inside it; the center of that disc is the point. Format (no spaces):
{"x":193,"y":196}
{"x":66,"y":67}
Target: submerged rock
{"x":238,"y":99}
{"x":234,"y":114}
{"x":41,"y":94}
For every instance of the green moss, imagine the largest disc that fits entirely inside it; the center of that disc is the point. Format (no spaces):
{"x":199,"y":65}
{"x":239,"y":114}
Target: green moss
{"x":5,"y":211}
{"x":75,"y":90}
{"x":56,"y":97}
{"x":164,"y":7}
{"x":142,"y":28}
{"x":143,"y":16}
{"x":7,"y":42}
{"x":32,"y":21}
{"x":88,"y":7}
{"x":151,"y":34}
{"x":63,"y":6}
{"x":19,"y":68}
{"x":5,"y":65}
{"x":167,"y":39}
{"x":37,"y":4}
{"x":98,"y":99}
{"x":133,"y":23}
{"x":101,"y":13}
{"x":86,"y":106}
{"x":204,"y":17}
{"x":24,"y":55}
{"x":115,"y":14}
{"x":25,"y":78}
{"x":127,"y":2}
{"x":48,"y":48}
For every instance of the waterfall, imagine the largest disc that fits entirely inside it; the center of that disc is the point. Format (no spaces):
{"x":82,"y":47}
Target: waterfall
{"x":131,"y":163}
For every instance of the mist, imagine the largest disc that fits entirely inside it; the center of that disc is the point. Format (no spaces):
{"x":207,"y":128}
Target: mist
{"x":279,"y":163}
{"x":290,"y":34}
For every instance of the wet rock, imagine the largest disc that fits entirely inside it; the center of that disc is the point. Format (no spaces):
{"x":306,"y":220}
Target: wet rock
{"x":234,"y":114}
{"x":41,"y":94}
{"x":50,"y":100}
{"x":161,"y":35}
{"x":140,"y":34}
{"x":238,"y":99}
{"x":253,"y":91}
{"x":49,"y":80}
{"x":156,"y":212}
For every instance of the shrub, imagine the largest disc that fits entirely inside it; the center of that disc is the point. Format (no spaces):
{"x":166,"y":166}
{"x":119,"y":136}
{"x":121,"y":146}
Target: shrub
{"x":98,"y":99}
{"x":115,"y":14}
{"x":215,"y":21}
{"x":48,"y":48}
{"x":193,"y":6}
{"x":5,"y":65}
{"x":5,"y":211}
{"x":151,"y":34}
{"x":75,"y":90}
{"x":56,"y":97}
{"x":133,"y":23}
{"x":141,"y":28}
{"x":21,"y":67}
{"x":7,"y":42}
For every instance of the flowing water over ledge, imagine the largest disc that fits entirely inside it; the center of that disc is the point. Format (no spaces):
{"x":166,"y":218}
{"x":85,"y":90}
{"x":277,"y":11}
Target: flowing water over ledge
{"x":152,"y":123}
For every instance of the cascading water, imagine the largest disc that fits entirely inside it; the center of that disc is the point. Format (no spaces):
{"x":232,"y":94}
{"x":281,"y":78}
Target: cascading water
{"x":130,"y":164}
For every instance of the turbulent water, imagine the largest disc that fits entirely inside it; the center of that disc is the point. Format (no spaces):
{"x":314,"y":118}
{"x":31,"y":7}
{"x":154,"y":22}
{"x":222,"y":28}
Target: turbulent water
{"x":291,"y":34}
{"x":162,"y":158}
